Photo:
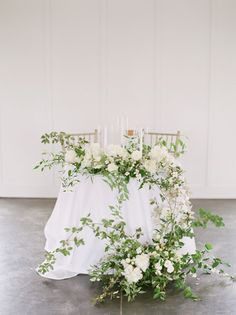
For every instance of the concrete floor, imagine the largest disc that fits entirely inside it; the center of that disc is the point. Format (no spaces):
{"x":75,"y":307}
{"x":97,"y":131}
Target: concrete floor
{"x":23,"y":292}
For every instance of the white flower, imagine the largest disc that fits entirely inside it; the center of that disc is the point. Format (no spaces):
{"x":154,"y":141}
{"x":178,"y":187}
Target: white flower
{"x":132,"y":274}
{"x":86,"y":163}
{"x":158,"y":267}
{"x":115,"y":150}
{"x":157,"y":246}
{"x":150,"y":166}
{"x":139,"y":250}
{"x":97,"y":158}
{"x":95,"y":148}
{"x":158,"y":153}
{"x":124,"y":263}
{"x":70,"y":156}
{"x":171,"y":160}
{"x":168,"y":264}
{"x":97,"y":166}
{"x":95,"y":151}
{"x":121,"y":152}
{"x":136,"y":155}
{"x":112,"y":167}
{"x":142,"y":261}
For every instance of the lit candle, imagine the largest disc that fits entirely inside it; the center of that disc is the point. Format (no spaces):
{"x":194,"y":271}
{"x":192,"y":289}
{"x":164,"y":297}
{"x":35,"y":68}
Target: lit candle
{"x":111,"y":134}
{"x":99,"y":134}
{"x":127,"y":124}
{"x":141,"y":139}
{"x":121,"y":131}
{"x":147,"y":131}
{"x":105,"y":136}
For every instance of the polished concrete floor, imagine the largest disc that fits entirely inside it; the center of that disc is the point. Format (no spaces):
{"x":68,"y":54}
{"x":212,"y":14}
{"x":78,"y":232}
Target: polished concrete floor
{"x":23,"y":292}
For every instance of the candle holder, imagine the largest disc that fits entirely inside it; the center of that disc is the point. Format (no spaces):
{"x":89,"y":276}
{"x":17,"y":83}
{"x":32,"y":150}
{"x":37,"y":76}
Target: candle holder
{"x":131,"y":132}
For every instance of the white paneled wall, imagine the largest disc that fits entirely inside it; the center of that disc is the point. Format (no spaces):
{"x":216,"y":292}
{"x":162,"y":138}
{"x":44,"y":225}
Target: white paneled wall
{"x":74,"y":64}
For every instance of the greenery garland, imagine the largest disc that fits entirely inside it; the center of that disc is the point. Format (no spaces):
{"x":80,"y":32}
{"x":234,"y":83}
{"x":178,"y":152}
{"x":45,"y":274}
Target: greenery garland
{"x":130,"y":266}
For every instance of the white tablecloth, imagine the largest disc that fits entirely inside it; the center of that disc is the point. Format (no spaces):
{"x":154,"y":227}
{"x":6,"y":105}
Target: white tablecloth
{"x":94,"y":197}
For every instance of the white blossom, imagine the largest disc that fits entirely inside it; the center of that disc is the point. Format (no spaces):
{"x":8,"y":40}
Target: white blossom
{"x":142,"y":261}
{"x":157,"y":246}
{"x":95,"y":151}
{"x":139,"y":250}
{"x":112,"y":167}
{"x":158,"y":267}
{"x":115,"y":150}
{"x":158,"y":153}
{"x":132,"y":274}
{"x":150,"y":166}
{"x":70,"y":156}
{"x":136,"y":155}
{"x":86,"y":163}
{"x":168,"y":264}
{"x":97,"y":158}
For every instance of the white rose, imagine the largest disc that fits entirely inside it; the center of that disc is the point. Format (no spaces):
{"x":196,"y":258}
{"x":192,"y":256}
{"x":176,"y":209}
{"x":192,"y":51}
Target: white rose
{"x":124,"y":263}
{"x":158,"y":267}
{"x":121,"y":152}
{"x":95,"y":151}
{"x":95,"y":148}
{"x":86,"y":162}
{"x":142,"y":261}
{"x":115,"y":150}
{"x":139,"y":250}
{"x":172,"y":160}
{"x":136,"y":155}
{"x":132,"y":274}
{"x":168,"y":264}
{"x":136,"y":275}
{"x":158,"y":153}
{"x":97,"y":158}
{"x":110,"y":150}
{"x":112,"y":167}
{"x":70,"y":156}
{"x":150,"y":166}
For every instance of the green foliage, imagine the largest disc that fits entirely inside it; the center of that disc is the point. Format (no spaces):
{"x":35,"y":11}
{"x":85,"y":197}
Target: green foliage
{"x":188,"y":293}
{"x":208,"y":246}
{"x":205,"y":217}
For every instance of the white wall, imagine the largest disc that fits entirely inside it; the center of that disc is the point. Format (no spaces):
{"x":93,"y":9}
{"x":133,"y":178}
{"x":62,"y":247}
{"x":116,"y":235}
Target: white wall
{"x":73,"y":64}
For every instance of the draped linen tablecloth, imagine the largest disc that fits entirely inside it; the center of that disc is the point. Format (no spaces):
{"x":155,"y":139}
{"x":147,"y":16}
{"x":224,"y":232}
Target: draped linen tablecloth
{"x":94,"y":196}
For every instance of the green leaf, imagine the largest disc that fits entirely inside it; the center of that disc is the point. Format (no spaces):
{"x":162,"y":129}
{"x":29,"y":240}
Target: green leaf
{"x":188,"y":293}
{"x":208,"y":246}
{"x":204,"y":217}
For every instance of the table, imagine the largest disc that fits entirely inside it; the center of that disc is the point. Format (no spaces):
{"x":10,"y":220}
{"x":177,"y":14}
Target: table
{"x":94,"y":196}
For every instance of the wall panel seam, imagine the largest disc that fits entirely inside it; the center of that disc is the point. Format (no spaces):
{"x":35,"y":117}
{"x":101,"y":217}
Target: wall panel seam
{"x":209,"y":90}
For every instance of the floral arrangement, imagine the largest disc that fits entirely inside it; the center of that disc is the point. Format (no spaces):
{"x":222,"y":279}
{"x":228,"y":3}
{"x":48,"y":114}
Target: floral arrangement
{"x":130,"y":266}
